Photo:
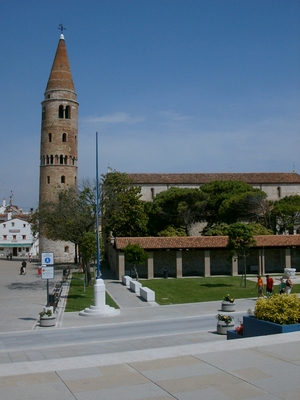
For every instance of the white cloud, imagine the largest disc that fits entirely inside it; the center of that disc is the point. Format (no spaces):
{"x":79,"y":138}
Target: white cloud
{"x":173,"y":116}
{"x":116,"y":118}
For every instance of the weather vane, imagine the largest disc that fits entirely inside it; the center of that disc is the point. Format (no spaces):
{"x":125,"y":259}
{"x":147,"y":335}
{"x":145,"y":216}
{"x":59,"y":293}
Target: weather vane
{"x":62,"y":29}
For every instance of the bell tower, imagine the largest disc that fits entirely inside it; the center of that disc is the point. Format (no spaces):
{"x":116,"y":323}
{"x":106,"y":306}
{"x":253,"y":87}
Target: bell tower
{"x":59,"y":142}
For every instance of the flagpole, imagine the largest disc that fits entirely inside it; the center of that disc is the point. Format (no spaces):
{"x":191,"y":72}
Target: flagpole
{"x":100,"y":308}
{"x":97,"y":211}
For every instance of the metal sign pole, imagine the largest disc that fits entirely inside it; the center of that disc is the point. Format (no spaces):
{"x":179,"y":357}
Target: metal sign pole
{"x":47,"y":292}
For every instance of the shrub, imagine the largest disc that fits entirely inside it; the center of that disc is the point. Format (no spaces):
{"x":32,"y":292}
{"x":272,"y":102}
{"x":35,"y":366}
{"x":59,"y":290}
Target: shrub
{"x":228,"y":298}
{"x":225,"y":318}
{"x":280,"y":308}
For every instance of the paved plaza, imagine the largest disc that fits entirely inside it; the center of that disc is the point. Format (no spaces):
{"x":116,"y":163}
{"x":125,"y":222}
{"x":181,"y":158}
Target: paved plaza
{"x":91,"y":358}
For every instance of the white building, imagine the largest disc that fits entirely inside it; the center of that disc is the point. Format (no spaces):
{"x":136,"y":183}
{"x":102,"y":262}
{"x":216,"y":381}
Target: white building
{"x":275,"y":184}
{"x":16,"y":239}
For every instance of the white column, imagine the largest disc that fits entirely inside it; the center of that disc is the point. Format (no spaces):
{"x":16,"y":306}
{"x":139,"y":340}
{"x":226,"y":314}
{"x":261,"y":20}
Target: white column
{"x":206,"y":263}
{"x":178,"y":264}
{"x":150,"y":265}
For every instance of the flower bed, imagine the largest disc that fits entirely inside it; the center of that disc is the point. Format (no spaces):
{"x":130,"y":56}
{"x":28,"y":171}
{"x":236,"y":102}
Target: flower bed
{"x":279,"y":314}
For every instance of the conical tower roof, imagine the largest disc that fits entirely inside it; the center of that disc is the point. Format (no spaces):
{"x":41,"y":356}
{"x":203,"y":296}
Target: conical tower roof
{"x":60,"y":76}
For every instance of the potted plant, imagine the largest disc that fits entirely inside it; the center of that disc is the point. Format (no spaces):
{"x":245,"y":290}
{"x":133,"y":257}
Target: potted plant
{"x":47,"y":318}
{"x":228,"y":303}
{"x":224,"y":324}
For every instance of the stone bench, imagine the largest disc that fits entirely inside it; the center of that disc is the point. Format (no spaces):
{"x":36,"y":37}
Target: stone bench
{"x":147,"y":294}
{"x":126,"y":280}
{"x":135,"y":286}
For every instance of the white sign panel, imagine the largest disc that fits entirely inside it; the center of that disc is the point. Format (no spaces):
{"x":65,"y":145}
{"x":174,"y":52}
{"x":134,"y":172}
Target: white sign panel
{"x":47,"y":272}
{"x":47,"y":258}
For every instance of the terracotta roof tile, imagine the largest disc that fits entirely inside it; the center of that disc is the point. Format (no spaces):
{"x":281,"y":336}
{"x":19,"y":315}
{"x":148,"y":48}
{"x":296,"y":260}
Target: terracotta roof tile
{"x":60,"y":75}
{"x":203,"y":242}
{"x":198,"y":178}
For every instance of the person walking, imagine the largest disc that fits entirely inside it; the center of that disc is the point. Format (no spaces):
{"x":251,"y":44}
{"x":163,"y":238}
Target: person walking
{"x":288,"y":285}
{"x":281,"y":286}
{"x":269,"y":285}
{"x":23,"y":268}
{"x":260,"y":286}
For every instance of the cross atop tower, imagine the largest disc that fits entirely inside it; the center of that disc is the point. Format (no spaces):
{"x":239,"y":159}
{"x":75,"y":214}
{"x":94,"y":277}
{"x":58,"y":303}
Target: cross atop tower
{"x":62,"y":29}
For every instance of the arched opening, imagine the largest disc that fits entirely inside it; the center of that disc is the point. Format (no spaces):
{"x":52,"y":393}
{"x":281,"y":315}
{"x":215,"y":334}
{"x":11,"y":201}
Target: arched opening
{"x":68,"y":112}
{"x":64,"y":137}
{"x":63,"y":179}
{"x":66,"y":160}
{"x":50,"y":137}
{"x":61,"y":159}
{"x":48,"y":179}
{"x":51,"y":159}
{"x":60,"y":111}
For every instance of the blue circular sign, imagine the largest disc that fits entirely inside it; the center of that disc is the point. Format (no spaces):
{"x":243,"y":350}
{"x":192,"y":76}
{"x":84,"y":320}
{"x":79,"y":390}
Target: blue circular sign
{"x":47,"y":260}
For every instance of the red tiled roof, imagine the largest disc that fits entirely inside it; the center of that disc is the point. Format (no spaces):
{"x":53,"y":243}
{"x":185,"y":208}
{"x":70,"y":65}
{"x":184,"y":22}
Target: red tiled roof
{"x":203,"y":242}
{"x":195,"y":178}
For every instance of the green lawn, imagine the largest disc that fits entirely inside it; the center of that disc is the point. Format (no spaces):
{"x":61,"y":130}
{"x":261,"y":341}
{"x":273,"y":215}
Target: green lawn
{"x":78,"y":299}
{"x":171,"y":291}
{"x":192,"y":290}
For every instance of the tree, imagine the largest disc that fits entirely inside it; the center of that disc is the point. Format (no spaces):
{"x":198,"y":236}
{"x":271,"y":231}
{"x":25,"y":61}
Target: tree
{"x":123,"y":212}
{"x":178,"y":208}
{"x":69,"y":218}
{"x":88,"y":251}
{"x":136,"y":255}
{"x":286,"y":214}
{"x":231,"y":201}
{"x":223,"y":230}
{"x":240,"y":239}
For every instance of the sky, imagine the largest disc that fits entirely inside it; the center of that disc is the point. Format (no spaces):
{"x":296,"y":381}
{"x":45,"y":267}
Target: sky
{"x":171,"y":86}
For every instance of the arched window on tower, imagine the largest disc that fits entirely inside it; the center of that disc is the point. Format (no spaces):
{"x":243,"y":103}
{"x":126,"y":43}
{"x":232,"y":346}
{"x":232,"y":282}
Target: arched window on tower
{"x":48,"y":179}
{"x":64,"y":137}
{"x":63,"y":179}
{"x":61,"y":159}
{"x":51,"y":159}
{"x":68,"y":112}
{"x":60,"y":111}
{"x":66,"y":160}
{"x":50,"y":137}
{"x":47,"y":160}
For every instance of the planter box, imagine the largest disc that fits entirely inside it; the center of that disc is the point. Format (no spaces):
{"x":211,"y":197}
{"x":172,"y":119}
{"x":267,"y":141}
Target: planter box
{"x":223,"y":328}
{"x":257,"y":327}
{"x":227,"y":306}
{"x":233,"y":335}
{"x":46,"y":321}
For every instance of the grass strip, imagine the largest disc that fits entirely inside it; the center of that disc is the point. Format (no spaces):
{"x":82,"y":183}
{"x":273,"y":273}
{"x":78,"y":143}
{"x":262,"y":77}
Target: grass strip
{"x":78,"y":298}
{"x":193,"y":290}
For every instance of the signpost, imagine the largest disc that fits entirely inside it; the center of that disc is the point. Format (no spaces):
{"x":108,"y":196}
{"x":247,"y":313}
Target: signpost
{"x":47,"y":258}
{"x":47,"y":273}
